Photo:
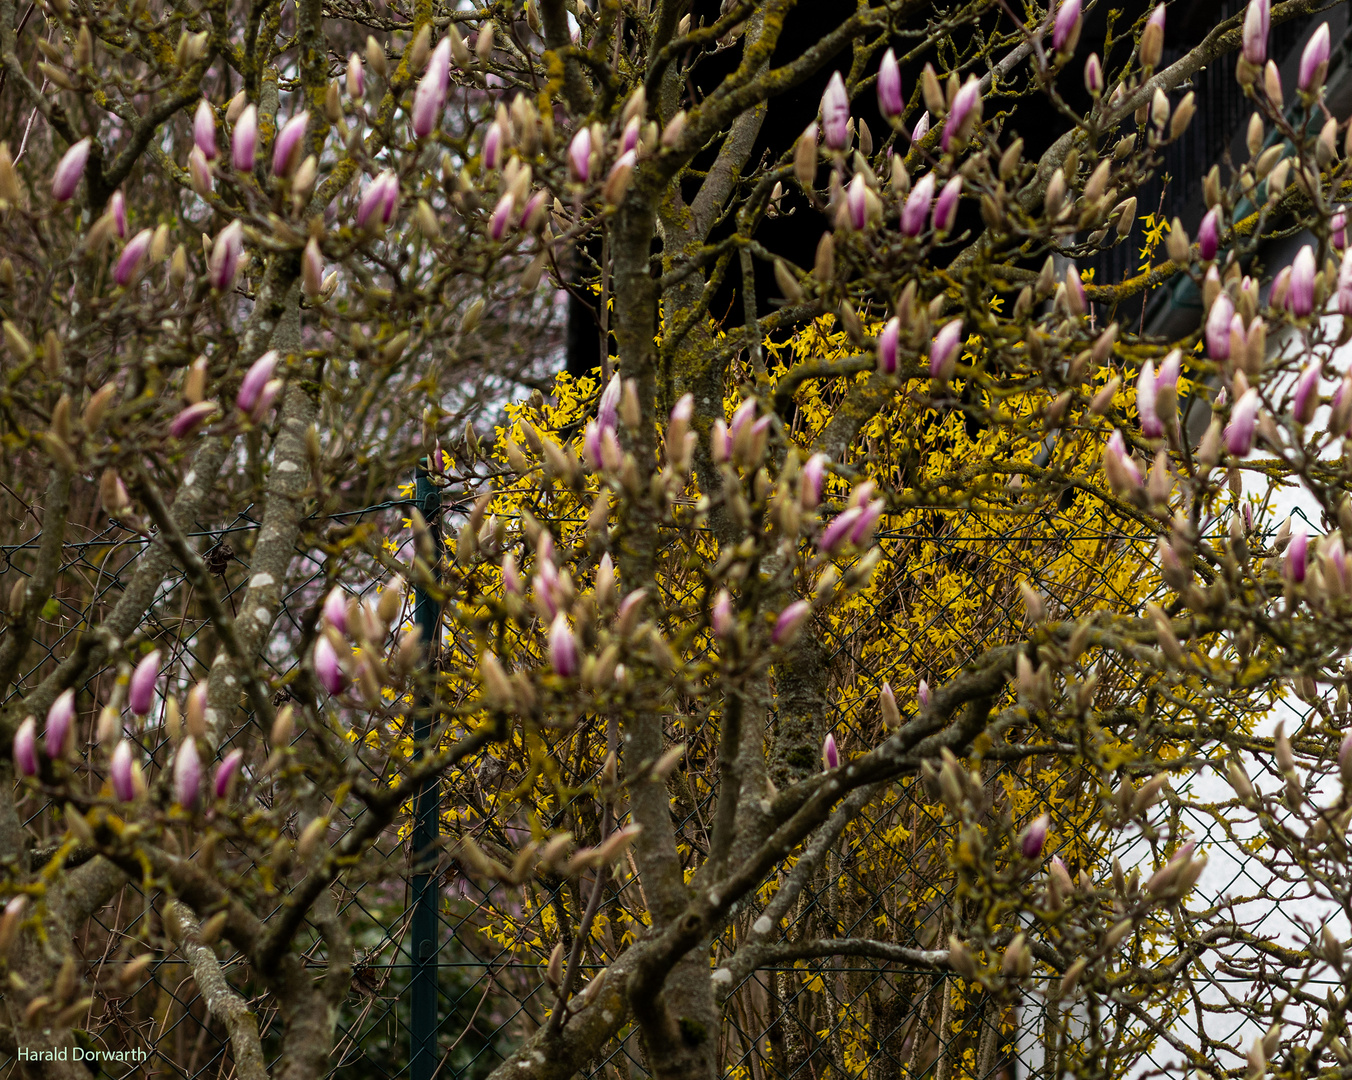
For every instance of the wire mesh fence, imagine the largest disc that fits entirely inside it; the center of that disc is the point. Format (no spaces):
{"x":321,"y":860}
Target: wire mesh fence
{"x":891,"y":875}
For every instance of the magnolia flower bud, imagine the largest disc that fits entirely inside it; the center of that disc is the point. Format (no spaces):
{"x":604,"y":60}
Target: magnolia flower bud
{"x":966,"y":111}
{"x":1239,"y":432}
{"x":290,"y":144}
{"x":223,"y":264}
{"x":1152,"y":39}
{"x":1257,"y":18}
{"x":917,"y":207}
{"x":830,"y":755}
{"x":944,"y":350}
{"x":129,"y":263}
{"x":121,"y":774}
{"x":579,"y":155}
{"x":1314,"y":62}
{"x":1124,"y":477}
{"x":835,"y":113}
{"x":226,"y":772}
{"x":70,"y":169}
{"x":356,"y":77}
{"x":26,"y":747}
{"x":1306,"y":399}
{"x":1300,"y":293}
{"x":60,"y":718}
{"x":255,"y":379}
{"x":890,"y":99}
{"x":187,"y":774}
{"x":1066,"y":28}
{"x":946,"y":208}
{"x":204,"y":129}
{"x":887,"y":705}
{"x":378,"y":203}
{"x":789,"y":622}
{"x":327,"y":668}
{"x":141,"y":691}
{"x":562,"y":648}
{"x":1034,"y":839}
{"x":244,"y":141}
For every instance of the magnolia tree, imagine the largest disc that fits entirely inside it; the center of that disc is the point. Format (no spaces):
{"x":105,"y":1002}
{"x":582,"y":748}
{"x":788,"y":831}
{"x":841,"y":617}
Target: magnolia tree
{"x":910,"y":618}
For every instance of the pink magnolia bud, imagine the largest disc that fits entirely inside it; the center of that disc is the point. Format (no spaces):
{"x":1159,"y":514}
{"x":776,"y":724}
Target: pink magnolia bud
{"x":223,"y":264}
{"x":629,"y":139}
{"x":501,"y":220}
{"x":562,"y":648}
{"x":579,"y":155}
{"x":1208,"y":235}
{"x":378,"y":202}
{"x":1066,"y":28}
{"x":356,"y":77}
{"x":492,"y":150}
{"x":1345,"y":757}
{"x":946,"y":208}
{"x":835,"y":535}
{"x":263,"y":405}
{"x":720,"y":442}
{"x":789,"y":622}
{"x":431,"y":92}
{"x":187,"y":774}
{"x":917,"y":207}
{"x":1243,"y":420}
{"x":922,"y":127}
{"x":226,"y":772}
{"x":922,"y":693}
{"x":830,"y":755}
{"x":1217,"y":330}
{"x":608,"y":407}
{"x":121,"y":773}
{"x":1257,"y":18}
{"x":1151,"y":427}
{"x":836,"y":114}
{"x":1035,"y":837}
{"x":856,"y":202}
{"x":1306,"y":399}
{"x":1300,"y":293}
{"x":887,"y":346}
{"x":60,"y":718}
{"x":1124,"y":477}
{"x":1093,"y":75}
{"x":812,"y":481}
{"x":70,"y":169}
{"x":26,"y":747}
{"x":1344,"y":297}
{"x":1296,"y":552}
{"x":1314,"y":61}
{"x":890,"y":100}
{"x":334,"y":611}
{"x":965,"y":112}
{"x":204,"y":129}
{"x":286,"y":151}
{"x":721,"y":617}
{"x":191,"y":418}
{"x":199,"y":172}
{"x":1338,"y":230}
{"x":141,"y":692}
{"x":117,"y":207}
{"x":1152,"y":38}
{"x":244,"y":141}
{"x":944,"y":350}
{"x":591,"y":446}
{"x":861,"y":535}
{"x":327,"y":668}
{"x":129,"y":262}
{"x":251,"y":386}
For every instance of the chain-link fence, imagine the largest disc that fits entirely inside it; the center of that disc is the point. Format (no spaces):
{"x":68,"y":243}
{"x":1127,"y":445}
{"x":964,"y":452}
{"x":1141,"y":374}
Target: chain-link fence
{"x":890,"y":875}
